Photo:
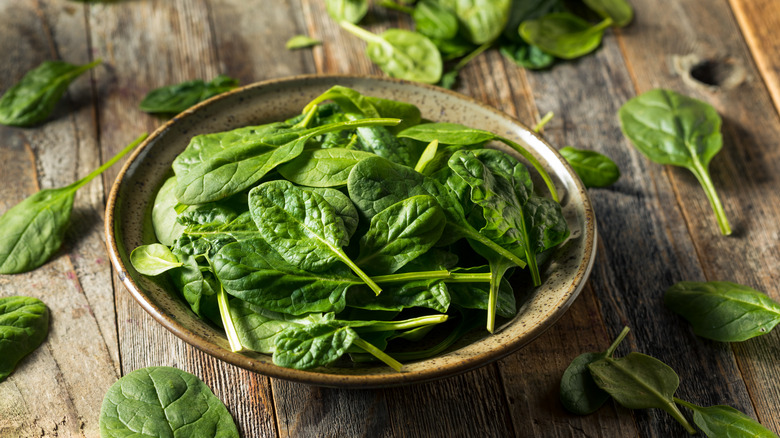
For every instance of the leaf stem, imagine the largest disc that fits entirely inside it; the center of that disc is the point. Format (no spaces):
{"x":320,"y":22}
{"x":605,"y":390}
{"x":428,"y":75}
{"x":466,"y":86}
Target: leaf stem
{"x":80,"y":183}
{"x":685,"y":423}
{"x":611,"y":350}
{"x":543,"y":121}
{"x":227,"y":320}
{"x":703,"y":175}
{"x":377,"y":353}
{"x":534,"y":162}
{"x":496,"y":274}
{"x":363,"y":276}
{"x":361,"y":33}
{"x":447,"y":276}
{"x":406,"y":324}
{"x":390,"y":4}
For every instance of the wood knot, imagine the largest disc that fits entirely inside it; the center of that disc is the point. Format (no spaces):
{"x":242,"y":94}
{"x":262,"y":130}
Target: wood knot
{"x":712,"y":74}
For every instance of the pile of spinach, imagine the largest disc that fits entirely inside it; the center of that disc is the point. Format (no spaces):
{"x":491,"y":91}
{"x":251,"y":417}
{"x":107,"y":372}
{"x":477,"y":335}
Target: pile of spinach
{"x":353,"y":228}
{"x":533,"y":33}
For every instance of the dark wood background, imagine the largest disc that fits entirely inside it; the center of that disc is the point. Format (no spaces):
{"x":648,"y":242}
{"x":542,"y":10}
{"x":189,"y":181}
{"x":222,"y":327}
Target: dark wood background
{"x":655,"y":225}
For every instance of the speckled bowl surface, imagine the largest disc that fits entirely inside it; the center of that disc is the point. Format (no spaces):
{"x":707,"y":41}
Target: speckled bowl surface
{"x":128,"y":226}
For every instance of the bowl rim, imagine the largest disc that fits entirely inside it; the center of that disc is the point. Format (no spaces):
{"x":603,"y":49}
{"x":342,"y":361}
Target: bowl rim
{"x":362,"y":381}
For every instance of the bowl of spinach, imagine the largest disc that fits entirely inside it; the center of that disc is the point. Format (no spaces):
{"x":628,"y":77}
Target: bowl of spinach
{"x":350,"y":231}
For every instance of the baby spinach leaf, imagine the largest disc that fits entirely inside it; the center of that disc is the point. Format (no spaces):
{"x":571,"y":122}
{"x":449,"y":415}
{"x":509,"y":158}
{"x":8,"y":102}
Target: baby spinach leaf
{"x":24,"y":323}
{"x":166,"y":228}
{"x":312,"y":346}
{"x":638,"y":381}
{"x":343,"y":206}
{"x":482,"y":20}
{"x":256,"y":273}
{"x":400,"y":233}
{"x":401,"y":53}
{"x":455,"y":134}
{"x":301,"y":42}
{"x":173,"y":99}
{"x":215,"y":166}
{"x":595,"y":169}
{"x":33,"y":98}
{"x":563,"y":34}
{"x":527,"y":55}
{"x":477,"y":296}
{"x":258,"y":328}
{"x":302,"y":226}
{"x":579,"y":392}
{"x":670,"y":128}
{"x":194,"y":279}
{"x":322,"y":167}
{"x":163,"y":401}
{"x":431,"y":294}
{"x":434,"y":20}
{"x":153,"y":259}
{"x":347,"y":10}
{"x":33,"y":230}
{"x":723,"y":311}
{"x":619,"y":11}
{"x":725,"y":421}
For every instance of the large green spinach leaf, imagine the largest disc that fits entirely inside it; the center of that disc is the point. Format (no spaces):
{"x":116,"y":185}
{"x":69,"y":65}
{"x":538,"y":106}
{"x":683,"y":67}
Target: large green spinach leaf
{"x":723,"y":311}
{"x":322,"y":167}
{"x":563,"y":34}
{"x":33,"y":98}
{"x":669,"y":128}
{"x":24,"y":323}
{"x":33,"y":230}
{"x":482,"y":20}
{"x":164,"y":402}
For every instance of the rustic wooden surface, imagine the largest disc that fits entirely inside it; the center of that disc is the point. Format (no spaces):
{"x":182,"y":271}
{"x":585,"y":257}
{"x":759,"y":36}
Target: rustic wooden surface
{"x":655,"y":225}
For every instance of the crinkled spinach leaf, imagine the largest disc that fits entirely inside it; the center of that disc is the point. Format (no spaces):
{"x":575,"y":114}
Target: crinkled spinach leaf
{"x":24,"y":323}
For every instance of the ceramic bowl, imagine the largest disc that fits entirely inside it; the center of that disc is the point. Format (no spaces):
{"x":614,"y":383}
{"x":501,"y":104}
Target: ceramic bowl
{"x":128,"y":226}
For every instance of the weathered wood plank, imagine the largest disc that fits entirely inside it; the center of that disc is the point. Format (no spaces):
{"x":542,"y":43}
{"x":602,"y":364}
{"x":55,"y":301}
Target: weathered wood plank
{"x":759,"y":21}
{"x":744,"y":173}
{"x":46,"y":396}
{"x":176,"y":40}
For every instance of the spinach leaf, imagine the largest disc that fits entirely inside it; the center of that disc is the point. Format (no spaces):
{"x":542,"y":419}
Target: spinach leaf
{"x":638,"y":381}
{"x":527,"y":55}
{"x":400,"y":233}
{"x":312,"y":346}
{"x":33,"y":230}
{"x":322,"y":167}
{"x":153,"y":259}
{"x":301,"y":42}
{"x":173,"y":99}
{"x":24,"y":323}
{"x":478,"y":296}
{"x":343,"y":206}
{"x":401,"y":53}
{"x":194,"y":279}
{"x":258,"y":328}
{"x":455,"y":134}
{"x":482,"y":20}
{"x":303,"y":227}
{"x":563,"y":34}
{"x":166,"y":228}
{"x":347,"y":10}
{"x":579,"y":392}
{"x":725,"y":421}
{"x":595,"y":169}
{"x":669,"y":128}
{"x":431,"y":294}
{"x":723,"y":311}
{"x":163,"y":401}
{"x":215,"y":166}
{"x":619,"y":11}
{"x":434,"y":20}
{"x":33,"y":98}
{"x":256,"y":273}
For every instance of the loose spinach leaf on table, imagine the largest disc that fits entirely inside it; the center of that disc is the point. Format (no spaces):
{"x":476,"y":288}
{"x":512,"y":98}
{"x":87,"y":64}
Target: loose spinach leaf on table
{"x":527,"y":55}
{"x":725,"y":421}
{"x":638,"y":381}
{"x":301,"y":42}
{"x":669,"y":128}
{"x":401,"y":53}
{"x":579,"y":393}
{"x":24,"y":323}
{"x":563,"y":34}
{"x":173,"y":99}
{"x":619,"y":11}
{"x":33,"y":98}
{"x":482,"y":20}
{"x":164,"y":401}
{"x":347,"y":10}
{"x":33,"y":230}
{"x":723,"y":311}
{"x":595,"y":169}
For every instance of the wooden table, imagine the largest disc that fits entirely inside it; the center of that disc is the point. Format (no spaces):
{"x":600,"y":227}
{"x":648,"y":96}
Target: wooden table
{"x":655,"y":224}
